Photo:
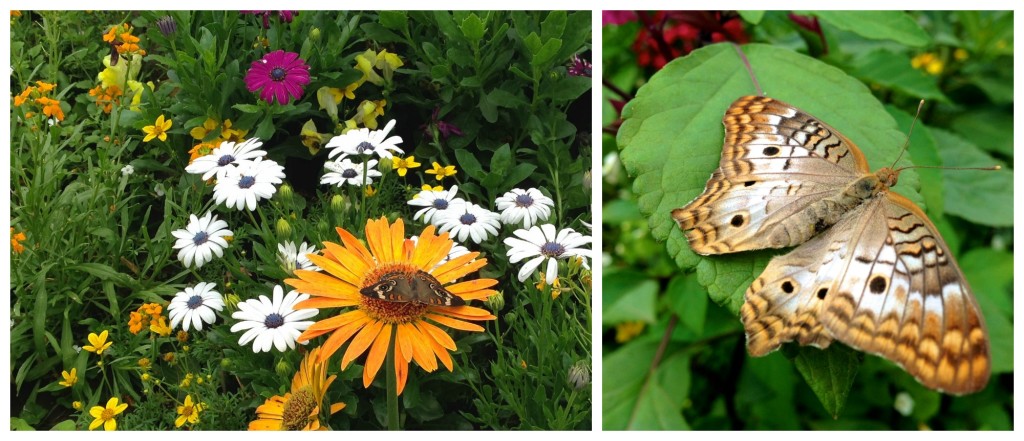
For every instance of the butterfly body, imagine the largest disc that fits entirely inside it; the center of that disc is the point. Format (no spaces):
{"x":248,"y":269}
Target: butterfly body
{"x":869,"y":269}
{"x":420,"y":287}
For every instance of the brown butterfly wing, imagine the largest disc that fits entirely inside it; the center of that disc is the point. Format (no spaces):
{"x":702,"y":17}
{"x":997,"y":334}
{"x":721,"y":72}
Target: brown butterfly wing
{"x":421,"y":288}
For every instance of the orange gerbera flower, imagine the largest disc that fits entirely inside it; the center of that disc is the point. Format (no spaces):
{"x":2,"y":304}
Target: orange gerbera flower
{"x":299,"y":409}
{"x":380,"y":325}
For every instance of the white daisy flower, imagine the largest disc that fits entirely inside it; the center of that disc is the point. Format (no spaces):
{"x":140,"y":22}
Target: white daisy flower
{"x":365,"y":142}
{"x":469,"y":220}
{"x":194,"y":306}
{"x":293,"y":258}
{"x":248,"y":183}
{"x":272,"y":323}
{"x":436,"y":203}
{"x":528,"y":206}
{"x":347,"y":172}
{"x":225,"y":157}
{"x":542,"y":241}
{"x":200,"y":239}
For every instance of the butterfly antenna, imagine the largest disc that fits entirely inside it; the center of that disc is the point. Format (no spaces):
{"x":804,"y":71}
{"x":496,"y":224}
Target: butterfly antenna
{"x":750,"y":70}
{"x":907,"y":143}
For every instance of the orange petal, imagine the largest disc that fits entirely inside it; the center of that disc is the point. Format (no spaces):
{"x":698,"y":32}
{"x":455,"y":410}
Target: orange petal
{"x":404,"y":341}
{"x":317,"y":284}
{"x":470,"y":285}
{"x":450,"y":275}
{"x":337,"y":407}
{"x":356,"y":247}
{"x":442,"y":353}
{"x":401,"y":368}
{"x":464,"y":312}
{"x":436,"y":334}
{"x":377,"y":354}
{"x":325,"y":302}
{"x":421,"y":351}
{"x":478,"y":295}
{"x":453,"y":264}
{"x":337,"y":321}
{"x":361,"y":342}
{"x":374,"y":239}
{"x":333,"y":267}
{"x":351,"y":261}
{"x":453,"y":323}
{"x":339,"y":337}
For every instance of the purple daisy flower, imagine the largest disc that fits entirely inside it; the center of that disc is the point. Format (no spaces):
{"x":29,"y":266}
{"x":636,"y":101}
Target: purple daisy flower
{"x":278,"y":75}
{"x":580,"y":67}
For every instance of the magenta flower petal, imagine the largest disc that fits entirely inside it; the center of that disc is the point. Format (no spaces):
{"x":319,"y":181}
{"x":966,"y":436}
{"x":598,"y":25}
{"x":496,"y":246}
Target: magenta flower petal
{"x":278,"y":76}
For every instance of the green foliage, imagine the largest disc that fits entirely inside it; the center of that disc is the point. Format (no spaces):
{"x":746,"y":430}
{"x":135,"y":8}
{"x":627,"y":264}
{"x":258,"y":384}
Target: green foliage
{"x":488,"y":92}
{"x":668,"y":142}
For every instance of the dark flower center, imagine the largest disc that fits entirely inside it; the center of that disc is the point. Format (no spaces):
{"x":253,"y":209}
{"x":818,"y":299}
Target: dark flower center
{"x":524,"y":200}
{"x":467,"y":219}
{"x":195,"y":302}
{"x":363,"y":147}
{"x":225,"y":160}
{"x":273,"y":321}
{"x":246,"y":182}
{"x":278,"y":74}
{"x":200,"y":238}
{"x":349,"y":173}
{"x":552,"y":249}
{"x":441,"y":203}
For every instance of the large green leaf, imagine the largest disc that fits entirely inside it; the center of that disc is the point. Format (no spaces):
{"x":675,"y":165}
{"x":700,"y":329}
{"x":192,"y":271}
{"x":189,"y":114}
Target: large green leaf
{"x":829,"y":373}
{"x":628,"y":296}
{"x":877,"y":25}
{"x":893,"y":70}
{"x":990,"y":274}
{"x":622,"y":382}
{"x":982,"y":197}
{"x":671,"y":139}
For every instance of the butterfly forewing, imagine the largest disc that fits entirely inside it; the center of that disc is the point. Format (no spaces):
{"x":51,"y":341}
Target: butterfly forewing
{"x":776,"y":162}
{"x":420,"y":287}
{"x":870,"y":269}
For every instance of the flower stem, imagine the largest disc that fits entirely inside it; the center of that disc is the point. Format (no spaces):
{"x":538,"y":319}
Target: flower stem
{"x":392,"y":382}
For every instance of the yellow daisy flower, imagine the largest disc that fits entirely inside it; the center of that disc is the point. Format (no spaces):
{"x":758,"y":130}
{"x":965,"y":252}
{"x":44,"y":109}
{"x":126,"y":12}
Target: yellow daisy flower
{"x":440,"y":172}
{"x":157,"y":130}
{"x":188,"y":412}
{"x":299,"y":409}
{"x":403,"y":164}
{"x":378,"y":325}
{"x":434,"y":188}
{"x":98,"y":343}
{"x":105,"y":415}
{"x":70,"y":378}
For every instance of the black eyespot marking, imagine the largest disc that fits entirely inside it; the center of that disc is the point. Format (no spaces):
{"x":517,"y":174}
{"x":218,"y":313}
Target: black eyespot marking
{"x":787,"y":287}
{"x":820,"y":226}
{"x":737,"y":220}
{"x":822,"y":293}
{"x":877,"y":284}
{"x":748,"y":183}
{"x":771,"y":151}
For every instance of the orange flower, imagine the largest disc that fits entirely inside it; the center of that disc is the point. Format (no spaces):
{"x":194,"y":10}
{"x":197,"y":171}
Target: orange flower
{"x":202,"y":149}
{"x":377,"y":325}
{"x":106,"y":98}
{"x":299,"y":409}
{"x":45,"y":87}
{"x":51,"y":108}
{"x":20,"y":98}
{"x":16,"y":239}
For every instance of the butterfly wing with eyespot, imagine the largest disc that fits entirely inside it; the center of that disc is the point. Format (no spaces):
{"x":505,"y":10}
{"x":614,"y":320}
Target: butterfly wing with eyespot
{"x":420,"y":288}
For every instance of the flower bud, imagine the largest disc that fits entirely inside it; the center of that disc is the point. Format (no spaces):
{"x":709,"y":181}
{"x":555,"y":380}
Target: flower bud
{"x":167,"y":25}
{"x":284,"y":229}
{"x":495,"y":302}
{"x":314,"y":34}
{"x":283,"y":368}
{"x":231,"y":302}
{"x":338,"y":203}
{"x":285,"y":193}
{"x":225,"y":363}
{"x":385,"y":166}
{"x":579,"y":375}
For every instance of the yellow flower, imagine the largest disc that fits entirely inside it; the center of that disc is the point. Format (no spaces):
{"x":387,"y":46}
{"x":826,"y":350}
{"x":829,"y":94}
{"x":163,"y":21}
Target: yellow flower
{"x":435,"y":188}
{"x":77,"y":405}
{"x":368,"y":111}
{"x":157,"y":130}
{"x":70,"y":378}
{"x":311,"y":138}
{"x":159,"y":326}
{"x":16,"y":239}
{"x":145,"y":363}
{"x":370,"y":191}
{"x":380,"y":326}
{"x":931,"y":63}
{"x":960,"y":54}
{"x":200,"y":132}
{"x":441,"y":172}
{"x":105,"y":415}
{"x":350,"y":90}
{"x":627,"y":331}
{"x":188,"y":412}
{"x":404,"y":164}
{"x":99,"y":343}
{"x":364,"y":63}
{"x":299,"y":409}
{"x":127,"y":69}
{"x":229,"y":134}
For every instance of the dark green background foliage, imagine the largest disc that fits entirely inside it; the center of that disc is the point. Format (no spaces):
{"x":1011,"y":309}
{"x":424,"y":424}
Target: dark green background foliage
{"x":99,"y":242}
{"x":689,"y":367}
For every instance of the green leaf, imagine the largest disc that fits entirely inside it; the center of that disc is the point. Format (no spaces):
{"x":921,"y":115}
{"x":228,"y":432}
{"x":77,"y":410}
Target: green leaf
{"x":544,"y":57}
{"x":469,"y":164}
{"x":517,"y":175}
{"x":502,"y":159}
{"x":829,"y":373}
{"x":618,"y":211}
{"x":20,"y":424}
{"x":248,"y":108}
{"x":671,"y":139}
{"x":553,"y":25}
{"x":878,"y":25}
{"x":624,"y":374}
{"x":394,"y":20}
{"x":688,"y":302}
{"x":628,"y":296}
{"x":472,"y":28}
{"x":533,"y":43}
{"x":893,"y":70}
{"x":752,"y":17}
{"x":982,"y":197}
{"x":65,"y":425}
{"x":990,"y":275}
{"x":989,"y":128}
{"x":655,"y":410}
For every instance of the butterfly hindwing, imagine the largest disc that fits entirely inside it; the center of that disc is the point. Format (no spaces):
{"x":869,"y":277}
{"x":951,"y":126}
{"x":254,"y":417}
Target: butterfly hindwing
{"x":420,"y":287}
